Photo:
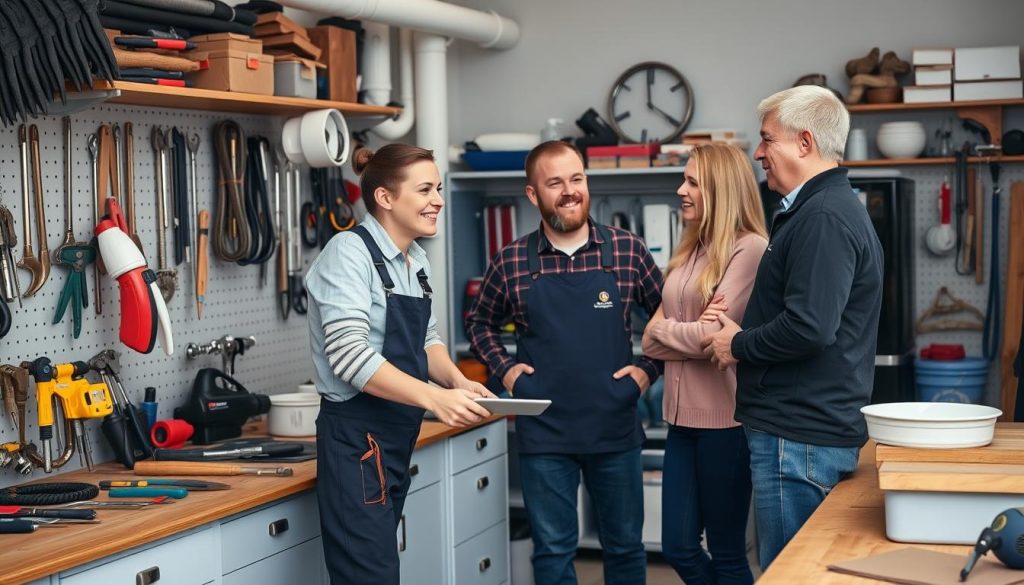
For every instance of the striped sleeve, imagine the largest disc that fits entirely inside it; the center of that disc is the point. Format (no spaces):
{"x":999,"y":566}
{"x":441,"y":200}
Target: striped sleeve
{"x":339,"y":283}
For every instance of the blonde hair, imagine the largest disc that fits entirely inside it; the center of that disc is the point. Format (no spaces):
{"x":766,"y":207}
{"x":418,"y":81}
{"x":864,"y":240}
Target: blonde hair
{"x":811,"y":108}
{"x":732,"y":207}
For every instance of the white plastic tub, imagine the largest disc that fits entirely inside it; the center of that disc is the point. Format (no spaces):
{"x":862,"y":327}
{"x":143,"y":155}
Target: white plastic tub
{"x":931,"y":425}
{"x":294,"y":415}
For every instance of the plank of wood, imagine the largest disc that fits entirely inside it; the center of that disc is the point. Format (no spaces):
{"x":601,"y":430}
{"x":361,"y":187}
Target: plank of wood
{"x":951,"y":477}
{"x":1014,"y":305}
{"x":291,"y":42}
{"x":1007,"y":447}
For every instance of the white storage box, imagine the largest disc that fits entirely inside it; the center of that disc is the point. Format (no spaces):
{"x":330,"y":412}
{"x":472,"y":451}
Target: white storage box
{"x":933,"y":75}
{"x":932,"y":57}
{"x":942,"y":518}
{"x":918,"y":94}
{"x":988,"y":90}
{"x":983,"y":63}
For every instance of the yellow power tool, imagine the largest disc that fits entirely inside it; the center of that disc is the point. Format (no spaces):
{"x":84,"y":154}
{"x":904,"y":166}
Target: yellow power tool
{"x":80,"y":399}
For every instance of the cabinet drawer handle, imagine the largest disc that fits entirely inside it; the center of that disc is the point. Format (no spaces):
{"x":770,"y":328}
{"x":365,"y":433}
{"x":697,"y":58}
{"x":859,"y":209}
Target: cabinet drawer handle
{"x":485,"y":564}
{"x":414,"y":470}
{"x":481,"y":443}
{"x":279,"y":527}
{"x":147,"y":576}
{"x":482,"y":483}
{"x":401,"y":545}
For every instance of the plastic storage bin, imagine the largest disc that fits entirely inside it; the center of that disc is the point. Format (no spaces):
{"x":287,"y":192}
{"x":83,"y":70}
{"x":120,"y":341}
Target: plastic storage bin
{"x":295,"y":77}
{"x":496,"y":160}
{"x":951,"y":381}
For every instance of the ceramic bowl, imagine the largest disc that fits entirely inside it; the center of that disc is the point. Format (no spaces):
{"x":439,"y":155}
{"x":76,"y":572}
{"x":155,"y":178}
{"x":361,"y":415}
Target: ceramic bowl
{"x":901,"y":139}
{"x":931,"y":425}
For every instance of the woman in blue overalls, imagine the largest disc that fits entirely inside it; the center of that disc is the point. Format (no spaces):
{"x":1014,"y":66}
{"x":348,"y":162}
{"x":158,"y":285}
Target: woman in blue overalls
{"x":375,"y":345}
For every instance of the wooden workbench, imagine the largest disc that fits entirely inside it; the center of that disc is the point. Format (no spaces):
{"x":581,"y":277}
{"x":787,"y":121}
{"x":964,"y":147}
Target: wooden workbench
{"x":26,"y":557}
{"x":850,"y":524}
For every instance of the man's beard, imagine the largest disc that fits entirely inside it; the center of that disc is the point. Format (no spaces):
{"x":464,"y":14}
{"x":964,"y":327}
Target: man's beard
{"x":564,"y":225}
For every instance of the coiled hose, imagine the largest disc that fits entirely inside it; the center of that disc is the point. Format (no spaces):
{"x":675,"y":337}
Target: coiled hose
{"x":231,"y":232}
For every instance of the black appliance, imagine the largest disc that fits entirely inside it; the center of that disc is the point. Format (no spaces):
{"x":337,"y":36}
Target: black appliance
{"x":890,"y":205}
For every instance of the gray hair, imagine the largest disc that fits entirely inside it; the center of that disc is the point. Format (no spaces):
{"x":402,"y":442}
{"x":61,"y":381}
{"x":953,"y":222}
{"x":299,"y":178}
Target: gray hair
{"x":815,"y":109}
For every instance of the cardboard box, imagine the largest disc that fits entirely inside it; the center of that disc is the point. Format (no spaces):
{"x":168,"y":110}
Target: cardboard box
{"x":932,"y":57}
{"x":986,"y":63}
{"x":237,"y":71}
{"x":933,"y":75}
{"x":227,"y":42}
{"x":921,"y":94}
{"x":634,"y":162}
{"x":276,"y":23}
{"x":1011,"y":89}
{"x":602,"y":162}
{"x":338,"y":53}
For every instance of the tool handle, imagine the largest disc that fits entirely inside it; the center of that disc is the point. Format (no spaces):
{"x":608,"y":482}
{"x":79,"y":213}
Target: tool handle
{"x":186,"y":468}
{"x":202,"y":257}
{"x":147,"y":492}
{"x":62,"y":514}
{"x":17,"y":527}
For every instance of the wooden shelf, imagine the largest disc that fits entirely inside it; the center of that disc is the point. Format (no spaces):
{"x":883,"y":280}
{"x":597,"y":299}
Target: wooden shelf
{"x":157,"y":96}
{"x":900,"y":107}
{"x":944,"y":160}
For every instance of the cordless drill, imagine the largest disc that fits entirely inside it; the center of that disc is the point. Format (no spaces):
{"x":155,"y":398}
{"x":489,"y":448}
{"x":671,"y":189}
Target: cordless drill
{"x":79,"y":398}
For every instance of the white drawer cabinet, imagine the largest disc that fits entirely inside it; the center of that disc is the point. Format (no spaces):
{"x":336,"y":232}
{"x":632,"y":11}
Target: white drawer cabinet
{"x":299,"y":565}
{"x":190,"y":559}
{"x":483,"y":560}
{"x":478,"y":445}
{"x":480,"y":498}
{"x":261,"y":533}
{"x":426,"y":466}
{"x":421,"y":550}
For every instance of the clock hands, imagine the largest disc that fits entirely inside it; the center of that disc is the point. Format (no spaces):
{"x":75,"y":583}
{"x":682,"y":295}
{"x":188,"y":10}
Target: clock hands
{"x":650,"y":101}
{"x":671,"y":120}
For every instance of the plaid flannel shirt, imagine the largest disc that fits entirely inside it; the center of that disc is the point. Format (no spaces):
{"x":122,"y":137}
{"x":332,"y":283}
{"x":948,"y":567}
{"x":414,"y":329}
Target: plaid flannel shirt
{"x":503,"y":292}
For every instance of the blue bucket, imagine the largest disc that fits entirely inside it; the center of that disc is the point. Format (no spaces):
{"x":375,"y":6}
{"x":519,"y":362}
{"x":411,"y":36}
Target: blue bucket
{"x":951,"y":381}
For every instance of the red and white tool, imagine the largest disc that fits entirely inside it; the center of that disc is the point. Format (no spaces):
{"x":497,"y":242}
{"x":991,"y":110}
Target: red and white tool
{"x":941,"y":239}
{"x":143,"y":312}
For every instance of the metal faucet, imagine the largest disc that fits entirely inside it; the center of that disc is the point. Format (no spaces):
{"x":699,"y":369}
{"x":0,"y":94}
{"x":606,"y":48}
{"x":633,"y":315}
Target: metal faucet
{"x":228,"y":347}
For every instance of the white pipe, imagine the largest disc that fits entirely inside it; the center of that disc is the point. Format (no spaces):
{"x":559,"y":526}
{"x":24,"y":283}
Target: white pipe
{"x":432,"y":134}
{"x":399,"y":127}
{"x":377,"y":64}
{"x":489,"y":29}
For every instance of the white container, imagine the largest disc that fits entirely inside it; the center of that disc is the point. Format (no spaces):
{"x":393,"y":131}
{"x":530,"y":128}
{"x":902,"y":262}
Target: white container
{"x":931,"y":425}
{"x":295,"y":78}
{"x":294,"y":415}
{"x":307,"y":388}
{"x":857,"y":145}
{"x":942,"y":517}
{"x":901,"y":139}
{"x":984,"y":63}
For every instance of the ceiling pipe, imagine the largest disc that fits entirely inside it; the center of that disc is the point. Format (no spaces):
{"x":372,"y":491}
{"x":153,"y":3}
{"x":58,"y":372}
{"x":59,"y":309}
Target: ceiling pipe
{"x":376,"y":81}
{"x":488,"y":29}
{"x":400,"y":126}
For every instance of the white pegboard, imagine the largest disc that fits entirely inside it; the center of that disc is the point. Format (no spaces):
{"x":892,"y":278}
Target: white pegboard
{"x":236,"y":303}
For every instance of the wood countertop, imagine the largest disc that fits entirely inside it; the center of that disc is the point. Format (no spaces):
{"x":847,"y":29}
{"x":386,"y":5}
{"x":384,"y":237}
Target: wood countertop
{"x":850,"y":524}
{"x":26,"y":557}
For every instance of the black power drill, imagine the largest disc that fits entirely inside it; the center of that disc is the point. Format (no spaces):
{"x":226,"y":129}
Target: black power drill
{"x":219,"y":406}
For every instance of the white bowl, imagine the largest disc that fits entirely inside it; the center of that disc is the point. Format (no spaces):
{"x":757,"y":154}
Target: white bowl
{"x":931,"y":425}
{"x":901,"y":139}
{"x":293,"y":415}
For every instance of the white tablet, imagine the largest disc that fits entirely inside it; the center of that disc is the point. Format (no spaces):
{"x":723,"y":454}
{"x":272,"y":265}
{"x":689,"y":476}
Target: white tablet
{"x":516,"y":406}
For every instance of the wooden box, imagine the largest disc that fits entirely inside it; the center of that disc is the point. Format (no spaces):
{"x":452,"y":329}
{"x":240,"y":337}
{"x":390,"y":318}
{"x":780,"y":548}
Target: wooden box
{"x":338,"y":53}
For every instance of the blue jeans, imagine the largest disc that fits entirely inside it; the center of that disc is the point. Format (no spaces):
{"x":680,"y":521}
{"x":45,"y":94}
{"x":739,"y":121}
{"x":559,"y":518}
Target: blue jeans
{"x":791,"y":480}
{"x":615,"y":484}
{"x":706,"y":487}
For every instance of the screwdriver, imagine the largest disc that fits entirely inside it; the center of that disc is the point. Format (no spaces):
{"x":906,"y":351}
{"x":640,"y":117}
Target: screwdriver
{"x":19,"y":526}
{"x":21,"y":511}
{"x":203,"y":468}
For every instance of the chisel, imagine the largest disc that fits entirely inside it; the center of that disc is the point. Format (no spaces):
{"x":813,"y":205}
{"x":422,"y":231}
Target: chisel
{"x":204,"y":468}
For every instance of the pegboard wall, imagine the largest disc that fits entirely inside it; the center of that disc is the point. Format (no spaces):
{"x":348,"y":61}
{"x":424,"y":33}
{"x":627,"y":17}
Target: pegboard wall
{"x":932,"y":272}
{"x":237,"y":301}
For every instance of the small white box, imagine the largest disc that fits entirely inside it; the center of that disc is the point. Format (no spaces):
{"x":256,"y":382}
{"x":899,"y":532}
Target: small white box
{"x":988,"y":90}
{"x":918,"y":94}
{"x":985,"y":63}
{"x":933,"y":75}
{"x":933,"y":57}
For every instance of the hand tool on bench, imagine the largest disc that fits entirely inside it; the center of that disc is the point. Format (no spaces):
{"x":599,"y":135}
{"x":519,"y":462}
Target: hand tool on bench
{"x":115,"y":505}
{"x":39,"y":267}
{"x":72,"y":254}
{"x":205,"y":468}
{"x":46,"y":521}
{"x":22,"y":526}
{"x":22,"y":511}
{"x":147,"y":492}
{"x":189,"y":484}
{"x":269,"y":450}
{"x":79,"y":398}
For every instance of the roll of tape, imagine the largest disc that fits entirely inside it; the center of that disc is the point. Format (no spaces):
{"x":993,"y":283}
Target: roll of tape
{"x":319,"y":138}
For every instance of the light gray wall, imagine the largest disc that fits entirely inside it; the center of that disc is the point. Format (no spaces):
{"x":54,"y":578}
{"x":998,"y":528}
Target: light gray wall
{"x":734,"y":52}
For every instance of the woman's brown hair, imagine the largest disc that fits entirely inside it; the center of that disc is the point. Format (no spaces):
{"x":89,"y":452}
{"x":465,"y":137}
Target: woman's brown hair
{"x":732,"y":207}
{"x":385,"y":168}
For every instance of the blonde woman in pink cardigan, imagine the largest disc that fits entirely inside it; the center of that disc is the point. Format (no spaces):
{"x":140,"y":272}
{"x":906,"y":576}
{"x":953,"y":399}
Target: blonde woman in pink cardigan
{"x":706,"y":480}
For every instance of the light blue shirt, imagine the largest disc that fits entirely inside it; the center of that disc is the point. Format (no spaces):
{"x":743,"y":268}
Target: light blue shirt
{"x":347,"y":308}
{"x":788,"y":200}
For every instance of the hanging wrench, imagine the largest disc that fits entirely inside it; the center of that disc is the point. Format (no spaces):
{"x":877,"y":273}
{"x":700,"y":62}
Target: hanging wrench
{"x":39,"y":267}
{"x":98,"y":209}
{"x":129,"y":184}
{"x":167,"y":280}
{"x":69,"y":233}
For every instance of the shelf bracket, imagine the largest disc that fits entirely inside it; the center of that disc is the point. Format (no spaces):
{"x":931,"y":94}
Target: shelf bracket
{"x":991,"y":117}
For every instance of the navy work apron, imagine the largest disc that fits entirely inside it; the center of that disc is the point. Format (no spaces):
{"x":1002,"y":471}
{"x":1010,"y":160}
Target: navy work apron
{"x":364,"y":446}
{"x":575,"y":341}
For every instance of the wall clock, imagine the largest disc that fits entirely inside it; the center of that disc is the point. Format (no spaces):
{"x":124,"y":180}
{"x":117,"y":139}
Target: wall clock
{"x":650,"y":102}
